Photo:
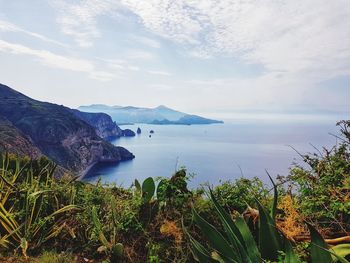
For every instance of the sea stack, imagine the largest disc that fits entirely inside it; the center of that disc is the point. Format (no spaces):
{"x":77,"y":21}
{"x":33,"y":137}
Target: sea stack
{"x":128,"y":133}
{"x":138,"y":130}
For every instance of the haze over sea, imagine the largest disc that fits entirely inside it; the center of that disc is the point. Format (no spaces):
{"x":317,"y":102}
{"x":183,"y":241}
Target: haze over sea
{"x":218,"y":152}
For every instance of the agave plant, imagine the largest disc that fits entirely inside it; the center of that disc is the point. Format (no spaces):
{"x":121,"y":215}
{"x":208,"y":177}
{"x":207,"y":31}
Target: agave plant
{"x":237,"y":243}
{"x":29,"y":216}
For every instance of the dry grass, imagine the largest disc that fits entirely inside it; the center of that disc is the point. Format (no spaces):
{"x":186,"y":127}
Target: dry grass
{"x":292,"y":222}
{"x":169,"y":228}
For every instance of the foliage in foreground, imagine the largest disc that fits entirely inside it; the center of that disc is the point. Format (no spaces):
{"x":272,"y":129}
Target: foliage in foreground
{"x":237,"y":244}
{"x":143,"y":223}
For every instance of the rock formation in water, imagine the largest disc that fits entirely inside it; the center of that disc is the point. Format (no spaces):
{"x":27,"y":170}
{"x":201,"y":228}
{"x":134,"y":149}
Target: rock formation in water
{"x":128,"y":133}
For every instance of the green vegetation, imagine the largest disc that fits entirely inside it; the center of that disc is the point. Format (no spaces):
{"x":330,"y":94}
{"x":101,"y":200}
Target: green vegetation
{"x":46,"y":219}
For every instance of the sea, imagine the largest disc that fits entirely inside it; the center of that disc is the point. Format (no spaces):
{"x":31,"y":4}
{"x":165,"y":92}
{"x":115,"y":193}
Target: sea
{"x":216,"y":153}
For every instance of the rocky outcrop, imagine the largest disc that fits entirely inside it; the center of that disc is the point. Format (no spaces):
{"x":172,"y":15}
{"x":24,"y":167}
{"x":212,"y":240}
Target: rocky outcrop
{"x":104,"y":126}
{"x":58,"y":133}
{"x":128,"y":133}
{"x":138,"y":130}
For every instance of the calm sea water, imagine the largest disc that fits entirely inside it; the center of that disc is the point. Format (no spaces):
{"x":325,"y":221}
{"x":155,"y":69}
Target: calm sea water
{"x":217,"y":152}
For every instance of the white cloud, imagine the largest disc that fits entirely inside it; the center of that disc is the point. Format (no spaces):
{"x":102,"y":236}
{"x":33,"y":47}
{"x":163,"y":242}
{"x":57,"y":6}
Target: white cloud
{"x":306,"y":40}
{"x":146,"y":41}
{"x":119,"y":64}
{"x":161,"y":87}
{"x":57,"y":61}
{"x":79,"y":19}
{"x":139,"y":54}
{"x":133,"y":68}
{"x":6,"y":26}
{"x":158,"y":72}
{"x":309,"y":39}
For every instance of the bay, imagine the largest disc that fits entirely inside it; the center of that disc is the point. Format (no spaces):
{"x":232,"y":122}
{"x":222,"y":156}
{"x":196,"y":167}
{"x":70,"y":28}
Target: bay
{"x":217,"y":152}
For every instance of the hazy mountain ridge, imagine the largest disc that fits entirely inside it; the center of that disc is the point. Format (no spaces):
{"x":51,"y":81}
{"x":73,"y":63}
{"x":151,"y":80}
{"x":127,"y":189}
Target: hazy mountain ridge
{"x":60,"y":133}
{"x":159,"y":115}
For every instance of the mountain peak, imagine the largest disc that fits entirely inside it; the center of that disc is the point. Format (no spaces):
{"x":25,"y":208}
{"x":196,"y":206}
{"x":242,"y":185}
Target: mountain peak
{"x":162,"y":107}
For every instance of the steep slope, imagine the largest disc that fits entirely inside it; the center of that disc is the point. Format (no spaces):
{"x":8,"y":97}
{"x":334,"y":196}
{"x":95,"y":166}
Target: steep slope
{"x":158,"y":115}
{"x":58,"y":132}
{"x":14,"y":141}
{"x":104,"y":126}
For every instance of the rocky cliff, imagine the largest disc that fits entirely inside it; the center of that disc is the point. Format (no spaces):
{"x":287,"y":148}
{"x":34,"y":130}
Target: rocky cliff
{"x":58,"y":133}
{"x":104,"y":126}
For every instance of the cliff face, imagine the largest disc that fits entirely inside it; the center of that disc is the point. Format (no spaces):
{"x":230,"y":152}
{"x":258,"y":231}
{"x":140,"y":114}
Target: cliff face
{"x":58,"y":133}
{"x":14,"y":141}
{"x":104,"y":126}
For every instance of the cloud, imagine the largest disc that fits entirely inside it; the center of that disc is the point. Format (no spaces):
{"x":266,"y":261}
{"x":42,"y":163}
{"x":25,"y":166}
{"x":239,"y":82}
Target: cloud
{"x":6,"y":26}
{"x":146,"y":41}
{"x":158,"y":72}
{"x":139,"y":54}
{"x":161,"y":87}
{"x":119,"y":64}
{"x":57,"y":61}
{"x":79,"y":19}
{"x":307,"y":40}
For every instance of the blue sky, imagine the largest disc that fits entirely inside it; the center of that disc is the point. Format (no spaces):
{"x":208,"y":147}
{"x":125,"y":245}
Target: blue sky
{"x":200,"y":56}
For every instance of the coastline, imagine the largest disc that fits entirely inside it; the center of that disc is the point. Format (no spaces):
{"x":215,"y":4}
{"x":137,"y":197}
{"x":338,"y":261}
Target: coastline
{"x":86,"y":170}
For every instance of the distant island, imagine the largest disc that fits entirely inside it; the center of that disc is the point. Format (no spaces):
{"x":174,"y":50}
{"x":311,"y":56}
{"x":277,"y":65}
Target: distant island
{"x":160,"y":115}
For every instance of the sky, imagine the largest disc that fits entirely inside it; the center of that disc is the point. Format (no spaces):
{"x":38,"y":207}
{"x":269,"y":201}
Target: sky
{"x":198,"y":56}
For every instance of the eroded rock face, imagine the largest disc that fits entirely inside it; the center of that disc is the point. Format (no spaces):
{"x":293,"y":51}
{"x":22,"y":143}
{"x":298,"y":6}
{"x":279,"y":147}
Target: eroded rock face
{"x":88,"y":150}
{"x":104,"y":126}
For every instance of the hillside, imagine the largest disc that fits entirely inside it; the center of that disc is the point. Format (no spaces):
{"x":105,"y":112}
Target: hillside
{"x":58,"y":132}
{"x":159,"y":115}
{"x":14,"y":141}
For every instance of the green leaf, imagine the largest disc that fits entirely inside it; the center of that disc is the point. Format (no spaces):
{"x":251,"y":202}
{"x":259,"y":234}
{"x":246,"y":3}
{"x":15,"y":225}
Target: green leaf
{"x":160,"y":190}
{"x":269,"y":239}
{"x":148,"y":188}
{"x":275,"y":198}
{"x":341,"y":251}
{"x":319,"y":250}
{"x":200,"y":253}
{"x":252,"y":248}
{"x":291,"y":257}
{"x":234,"y":234}
{"x":137,"y":185}
{"x":216,"y":239}
{"x":118,"y":249}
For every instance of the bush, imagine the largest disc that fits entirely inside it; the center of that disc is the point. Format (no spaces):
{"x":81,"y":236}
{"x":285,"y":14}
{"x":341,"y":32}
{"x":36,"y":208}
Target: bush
{"x":323,"y":189}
